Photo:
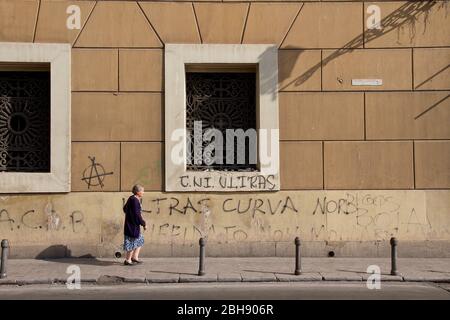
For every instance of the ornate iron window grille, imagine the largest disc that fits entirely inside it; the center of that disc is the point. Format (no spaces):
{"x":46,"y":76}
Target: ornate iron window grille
{"x":222,"y":100}
{"x":25,"y":121}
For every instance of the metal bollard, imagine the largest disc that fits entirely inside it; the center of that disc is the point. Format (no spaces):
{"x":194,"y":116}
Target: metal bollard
{"x":394,"y":270}
{"x":5,"y":249}
{"x":298,"y":266}
{"x":201,"y":268}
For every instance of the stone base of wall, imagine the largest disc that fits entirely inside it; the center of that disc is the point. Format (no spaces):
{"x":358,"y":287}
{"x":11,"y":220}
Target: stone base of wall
{"x":348,"y":223}
{"x":366,"y":249}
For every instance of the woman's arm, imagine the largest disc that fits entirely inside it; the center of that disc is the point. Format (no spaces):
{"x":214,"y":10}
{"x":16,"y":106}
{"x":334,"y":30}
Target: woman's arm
{"x":138,"y":213}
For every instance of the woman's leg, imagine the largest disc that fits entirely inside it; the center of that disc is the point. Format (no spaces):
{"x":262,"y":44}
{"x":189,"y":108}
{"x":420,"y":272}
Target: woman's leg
{"x":135,"y":255}
{"x":129,"y":255}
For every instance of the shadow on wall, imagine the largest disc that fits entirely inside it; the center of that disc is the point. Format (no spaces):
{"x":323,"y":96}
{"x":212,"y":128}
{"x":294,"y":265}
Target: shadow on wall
{"x":407,"y":14}
{"x":58,"y":251}
{"x":61,"y":253}
{"x":55,"y":251}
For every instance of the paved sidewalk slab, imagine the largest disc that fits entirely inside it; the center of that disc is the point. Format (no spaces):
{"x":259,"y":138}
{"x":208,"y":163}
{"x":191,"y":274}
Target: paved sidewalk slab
{"x":83,"y":279}
{"x":258,"y":277}
{"x":37,"y":280}
{"x":341,"y":276}
{"x":63,"y":280}
{"x":282,"y":277}
{"x":426,"y":277}
{"x":229,"y":277}
{"x":268,"y":269}
{"x":110,"y":279}
{"x":8,"y":282}
{"x":135,"y":280}
{"x":384,"y":277}
{"x":157,"y":277}
{"x":196,"y":278}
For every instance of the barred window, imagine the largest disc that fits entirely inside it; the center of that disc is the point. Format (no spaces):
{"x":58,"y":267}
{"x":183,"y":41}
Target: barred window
{"x":221,"y":117}
{"x":25,"y":119}
{"x":225,"y":101}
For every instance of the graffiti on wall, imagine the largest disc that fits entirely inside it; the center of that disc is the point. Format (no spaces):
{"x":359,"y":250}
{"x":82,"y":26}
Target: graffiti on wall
{"x":94,"y":175}
{"x":183,"y":219}
{"x":257,"y":182}
{"x":226,"y":218}
{"x":353,"y":216}
{"x":48,"y":219}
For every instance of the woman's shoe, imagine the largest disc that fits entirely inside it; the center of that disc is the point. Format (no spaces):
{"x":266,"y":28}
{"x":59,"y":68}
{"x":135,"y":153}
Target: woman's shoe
{"x":126,"y":263}
{"x":136,"y":261}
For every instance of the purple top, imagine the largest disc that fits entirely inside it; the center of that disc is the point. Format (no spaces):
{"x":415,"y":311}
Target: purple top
{"x":133,"y":218}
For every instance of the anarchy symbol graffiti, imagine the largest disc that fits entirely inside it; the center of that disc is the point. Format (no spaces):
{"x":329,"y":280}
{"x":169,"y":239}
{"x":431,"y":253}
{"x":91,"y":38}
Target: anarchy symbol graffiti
{"x":94,"y":174}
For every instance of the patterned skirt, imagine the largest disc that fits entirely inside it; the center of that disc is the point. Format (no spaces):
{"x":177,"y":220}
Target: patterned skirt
{"x":130,"y":243}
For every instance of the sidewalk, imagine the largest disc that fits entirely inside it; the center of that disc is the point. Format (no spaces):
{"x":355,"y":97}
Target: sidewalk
{"x":172,"y":270}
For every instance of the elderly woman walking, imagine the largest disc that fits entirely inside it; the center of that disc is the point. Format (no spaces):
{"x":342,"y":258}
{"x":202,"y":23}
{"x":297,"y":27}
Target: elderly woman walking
{"x":133,"y":239}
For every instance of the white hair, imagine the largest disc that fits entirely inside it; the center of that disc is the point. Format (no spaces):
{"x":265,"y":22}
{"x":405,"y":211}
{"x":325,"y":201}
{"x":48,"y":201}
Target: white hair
{"x":137,"y":188}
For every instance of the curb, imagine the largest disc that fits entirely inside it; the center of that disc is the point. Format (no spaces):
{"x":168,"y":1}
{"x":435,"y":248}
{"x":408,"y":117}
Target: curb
{"x":116,"y":280}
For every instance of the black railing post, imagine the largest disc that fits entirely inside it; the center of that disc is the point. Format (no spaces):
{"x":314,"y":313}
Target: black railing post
{"x":298,"y":266}
{"x":201,"y":267}
{"x":394,"y":243}
{"x":5,"y":249}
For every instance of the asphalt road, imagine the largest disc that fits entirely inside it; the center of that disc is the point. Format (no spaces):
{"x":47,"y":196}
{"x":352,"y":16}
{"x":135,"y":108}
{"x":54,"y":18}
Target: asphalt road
{"x":247,"y":291}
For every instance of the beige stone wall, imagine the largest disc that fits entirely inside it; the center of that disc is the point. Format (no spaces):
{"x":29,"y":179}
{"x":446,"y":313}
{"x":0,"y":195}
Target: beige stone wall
{"x":347,"y":222}
{"x":334,"y":135}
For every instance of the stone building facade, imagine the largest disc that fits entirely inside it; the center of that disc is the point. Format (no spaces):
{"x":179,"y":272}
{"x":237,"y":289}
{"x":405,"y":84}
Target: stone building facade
{"x":356,"y":91}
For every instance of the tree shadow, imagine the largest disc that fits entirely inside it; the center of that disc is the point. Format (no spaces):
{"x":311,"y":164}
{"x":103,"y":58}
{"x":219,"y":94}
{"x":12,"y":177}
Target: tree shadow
{"x":406,"y":14}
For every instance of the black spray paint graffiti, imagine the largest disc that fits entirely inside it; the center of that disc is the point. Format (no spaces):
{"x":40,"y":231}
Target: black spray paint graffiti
{"x":377,"y":215}
{"x":52,"y":222}
{"x":414,"y":224}
{"x":96,"y":172}
{"x":383,"y":223}
{"x":186,"y":206}
{"x":259,"y":205}
{"x":8,"y":219}
{"x":221,"y":233}
{"x":371,"y":214}
{"x":258,"y":182}
{"x":77,"y":221}
{"x":355,"y":204}
{"x":253,"y":206}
